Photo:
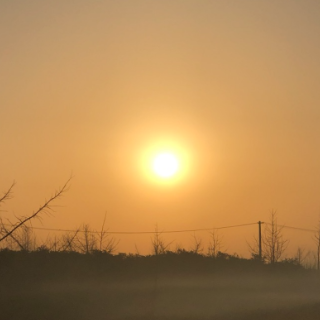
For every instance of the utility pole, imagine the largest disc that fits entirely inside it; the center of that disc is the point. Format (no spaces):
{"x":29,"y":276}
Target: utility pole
{"x":260,"y":245}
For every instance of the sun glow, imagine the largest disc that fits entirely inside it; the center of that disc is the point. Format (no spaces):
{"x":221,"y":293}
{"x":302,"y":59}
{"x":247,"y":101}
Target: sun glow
{"x":165,"y":162}
{"x":165,"y":165}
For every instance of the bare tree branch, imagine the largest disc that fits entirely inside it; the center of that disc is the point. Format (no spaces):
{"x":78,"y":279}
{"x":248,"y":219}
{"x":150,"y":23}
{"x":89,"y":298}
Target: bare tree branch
{"x":68,"y":241}
{"x":301,"y":255}
{"x":87,"y":243}
{"x":102,"y":233}
{"x":273,"y":241}
{"x":46,"y":206}
{"x":197,"y":245}
{"x":215,"y":245}
{"x":13,"y":237}
{"x":8,"y":194}
{"x":317,"y":240}
{"x":158,"y":244}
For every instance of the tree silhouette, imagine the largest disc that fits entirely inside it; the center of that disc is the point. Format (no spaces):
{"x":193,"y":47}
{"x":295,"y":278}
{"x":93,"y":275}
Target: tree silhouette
{"x":158,"y":244}
{"x":215,"y":244}
{"x":274,"y":244}
{"x":89,"y":241}
{"x":317,"y":240}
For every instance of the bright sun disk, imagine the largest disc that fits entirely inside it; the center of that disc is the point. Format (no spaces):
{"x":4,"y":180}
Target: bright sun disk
{"x":165,"y":165}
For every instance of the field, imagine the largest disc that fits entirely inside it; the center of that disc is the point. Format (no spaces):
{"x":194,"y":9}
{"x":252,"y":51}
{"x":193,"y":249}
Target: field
{"x":83,"y":291}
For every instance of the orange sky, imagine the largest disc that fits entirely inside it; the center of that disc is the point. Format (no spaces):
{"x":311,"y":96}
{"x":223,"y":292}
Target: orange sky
{"x":87,"y":88}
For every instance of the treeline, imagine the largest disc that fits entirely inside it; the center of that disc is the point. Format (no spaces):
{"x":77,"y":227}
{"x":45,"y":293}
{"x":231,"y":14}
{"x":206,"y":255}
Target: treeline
{"x":269,"y":248}
{"x":43,"y":264}
{"x":86,"y":244}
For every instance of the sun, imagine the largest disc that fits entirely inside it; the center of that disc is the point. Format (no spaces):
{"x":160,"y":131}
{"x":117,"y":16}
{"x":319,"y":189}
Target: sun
{"x":165,"y":165}
{"x":165,"y":162}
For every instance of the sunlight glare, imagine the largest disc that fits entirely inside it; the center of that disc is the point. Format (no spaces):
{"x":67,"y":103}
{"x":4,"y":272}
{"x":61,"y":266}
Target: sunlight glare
{"x":165,"y":165}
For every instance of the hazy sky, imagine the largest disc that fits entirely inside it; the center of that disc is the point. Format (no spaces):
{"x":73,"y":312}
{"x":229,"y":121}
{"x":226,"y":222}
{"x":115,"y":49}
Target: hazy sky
{"x":88,"y":88}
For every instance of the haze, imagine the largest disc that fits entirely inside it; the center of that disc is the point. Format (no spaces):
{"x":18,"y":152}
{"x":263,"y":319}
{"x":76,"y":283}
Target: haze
{"x":89,"y":88}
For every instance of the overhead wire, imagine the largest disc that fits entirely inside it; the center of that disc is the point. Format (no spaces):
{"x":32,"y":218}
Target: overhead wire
{"x":169,"y":231}
{"x":143,"y":232}
{"x":293,"y":228}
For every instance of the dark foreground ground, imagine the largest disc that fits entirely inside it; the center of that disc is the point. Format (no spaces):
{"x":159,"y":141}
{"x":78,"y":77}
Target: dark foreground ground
{"x":170,"y":298}
{"x":153,"y":294}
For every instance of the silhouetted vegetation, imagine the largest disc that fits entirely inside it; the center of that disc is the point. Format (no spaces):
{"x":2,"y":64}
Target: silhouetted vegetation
{"x":46,"y":284}
{"x":43,"y":263}
{"x":79,"y":276}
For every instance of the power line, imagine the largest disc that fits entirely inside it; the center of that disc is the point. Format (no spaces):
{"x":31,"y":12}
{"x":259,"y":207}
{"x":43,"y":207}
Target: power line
{"x":237,"y":225}
{"x":186,"y":230}
{"x":169,"y":231}
{"x":294,"y":228}
{"x":143,"y":232}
